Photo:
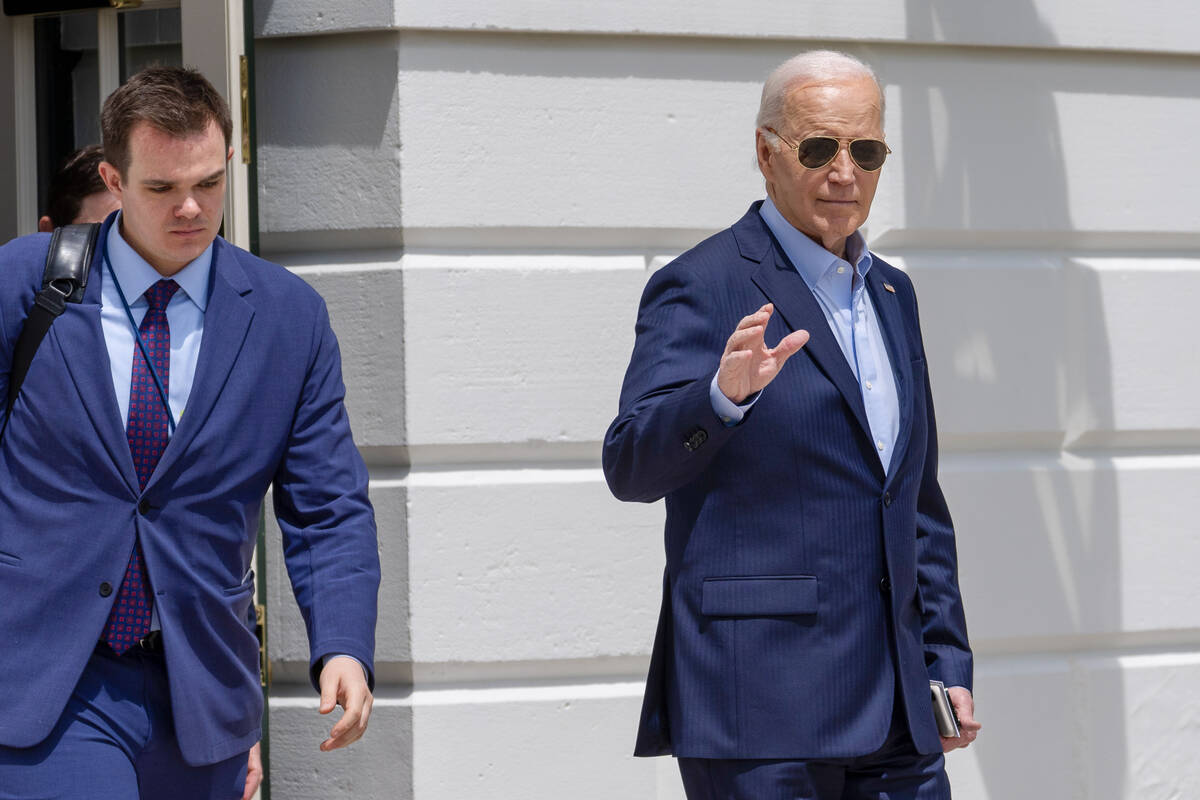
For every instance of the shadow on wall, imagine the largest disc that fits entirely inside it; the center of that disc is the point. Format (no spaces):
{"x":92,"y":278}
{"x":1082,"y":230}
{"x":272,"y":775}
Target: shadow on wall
{"x":1026,"y":349}
{"x":336,"y":91}
{"x":328,"y":143}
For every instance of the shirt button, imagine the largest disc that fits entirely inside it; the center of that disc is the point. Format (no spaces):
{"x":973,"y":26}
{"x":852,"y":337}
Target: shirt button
{"x":841,"y":270}
{"x":879,"y":445}
{"x":868,"y":385}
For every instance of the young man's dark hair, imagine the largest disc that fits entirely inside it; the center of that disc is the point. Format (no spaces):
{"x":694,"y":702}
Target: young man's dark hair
{"x":175,"y":100}
{"x":76,"y":178}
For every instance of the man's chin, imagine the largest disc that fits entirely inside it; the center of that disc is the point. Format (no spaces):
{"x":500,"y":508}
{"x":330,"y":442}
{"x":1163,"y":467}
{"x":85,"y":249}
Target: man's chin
{"x":179,"y":256}
{"x":841,"y":227}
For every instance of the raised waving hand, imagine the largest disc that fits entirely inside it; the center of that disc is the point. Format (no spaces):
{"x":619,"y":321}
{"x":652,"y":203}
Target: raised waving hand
{"x":748,"y":365}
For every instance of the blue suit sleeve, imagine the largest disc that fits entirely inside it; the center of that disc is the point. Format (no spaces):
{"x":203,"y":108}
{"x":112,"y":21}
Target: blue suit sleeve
{"x":22,"y":262}
{"x":666,"y":432}
{"x":328,"y":525}
{"x":944,"y":627}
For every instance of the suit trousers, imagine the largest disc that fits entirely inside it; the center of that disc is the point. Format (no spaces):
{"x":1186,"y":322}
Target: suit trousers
{"x":896,"y":771}
{"x":116,"y":740}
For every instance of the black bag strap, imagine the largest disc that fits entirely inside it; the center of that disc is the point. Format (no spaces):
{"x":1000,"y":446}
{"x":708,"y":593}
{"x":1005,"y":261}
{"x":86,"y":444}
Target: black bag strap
{"x":63,"y":281}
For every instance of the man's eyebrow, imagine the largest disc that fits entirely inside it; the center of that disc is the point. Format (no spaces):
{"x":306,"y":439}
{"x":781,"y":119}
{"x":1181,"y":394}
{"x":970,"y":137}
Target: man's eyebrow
{"x":165,"y":182}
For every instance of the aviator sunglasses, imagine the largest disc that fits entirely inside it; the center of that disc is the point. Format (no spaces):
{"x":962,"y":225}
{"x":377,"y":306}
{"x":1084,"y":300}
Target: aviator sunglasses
{"x":817,"y":151}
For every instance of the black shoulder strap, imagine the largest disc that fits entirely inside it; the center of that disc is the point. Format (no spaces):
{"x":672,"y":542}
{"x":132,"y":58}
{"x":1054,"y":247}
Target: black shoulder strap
{"x":64,"y":280}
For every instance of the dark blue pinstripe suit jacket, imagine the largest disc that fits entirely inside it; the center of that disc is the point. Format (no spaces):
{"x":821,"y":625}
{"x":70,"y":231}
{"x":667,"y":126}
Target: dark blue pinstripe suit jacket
{"x":801,"y":581}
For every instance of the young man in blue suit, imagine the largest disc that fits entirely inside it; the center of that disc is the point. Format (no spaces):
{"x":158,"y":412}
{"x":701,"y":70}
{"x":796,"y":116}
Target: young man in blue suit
{"x":155,"y":415}
{"x":811,"y":588}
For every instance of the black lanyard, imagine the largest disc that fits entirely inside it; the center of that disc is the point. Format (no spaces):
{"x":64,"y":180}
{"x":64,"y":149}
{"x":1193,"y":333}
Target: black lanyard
{"x":162,"y":394}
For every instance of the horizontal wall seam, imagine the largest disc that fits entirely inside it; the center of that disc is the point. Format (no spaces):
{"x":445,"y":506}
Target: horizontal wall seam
{"x":388,"y":696}
{"x":549,"y":470}
{"x":600,"y":33}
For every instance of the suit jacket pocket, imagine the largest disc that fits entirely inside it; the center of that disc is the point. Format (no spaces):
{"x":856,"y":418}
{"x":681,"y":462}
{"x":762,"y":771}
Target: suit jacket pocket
{"x":245,"y":586}
{"x":759,"y":596}
{"x":241,"y":600}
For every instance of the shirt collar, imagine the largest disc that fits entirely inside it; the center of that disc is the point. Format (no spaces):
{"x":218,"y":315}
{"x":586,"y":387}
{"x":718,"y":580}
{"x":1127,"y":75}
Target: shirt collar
{"x":136,"y":275}
{"x":812,"y":261}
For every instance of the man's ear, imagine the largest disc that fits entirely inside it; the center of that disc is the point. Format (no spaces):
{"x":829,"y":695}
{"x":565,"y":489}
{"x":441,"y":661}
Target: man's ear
{"x":229,"y":155}
{"x":45,"y":225}
{"x":762,"y":150}
{"x":111,"y":178}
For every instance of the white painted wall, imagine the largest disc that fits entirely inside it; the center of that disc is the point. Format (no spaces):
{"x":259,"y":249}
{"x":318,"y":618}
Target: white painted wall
{"x":480,"y":190}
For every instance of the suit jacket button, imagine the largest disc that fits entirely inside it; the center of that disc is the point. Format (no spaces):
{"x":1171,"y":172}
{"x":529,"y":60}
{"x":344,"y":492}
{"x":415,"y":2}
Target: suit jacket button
{"x":105,"y":589}
{"x":696,"y":438}
{"x":144,"y":507}
{"x":887,"y":499}
{"x":885,"y":585}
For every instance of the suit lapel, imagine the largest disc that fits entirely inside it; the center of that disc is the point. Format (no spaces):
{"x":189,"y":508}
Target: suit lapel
{"x":794,"y":301}
{"x":887,"y":309}
{"x":80,"y":338}
{"x":226,"y":322}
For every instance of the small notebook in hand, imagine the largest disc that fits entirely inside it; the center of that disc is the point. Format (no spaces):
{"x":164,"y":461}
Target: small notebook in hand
{"x":943,"y":710}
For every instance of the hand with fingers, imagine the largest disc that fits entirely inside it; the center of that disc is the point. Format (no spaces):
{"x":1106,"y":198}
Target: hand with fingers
{"x":343,"y":683}
{"x":254,"y":772}
{"x":964,"y":709}
{"x":748,"y":365}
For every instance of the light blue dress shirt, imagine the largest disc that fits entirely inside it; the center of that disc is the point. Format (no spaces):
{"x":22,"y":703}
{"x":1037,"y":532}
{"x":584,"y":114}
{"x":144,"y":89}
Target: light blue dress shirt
{"x":839,"y":287}
{"x":185,"y":316}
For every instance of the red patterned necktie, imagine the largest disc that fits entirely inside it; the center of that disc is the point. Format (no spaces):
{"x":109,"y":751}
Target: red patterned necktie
{"x":129,"y":620}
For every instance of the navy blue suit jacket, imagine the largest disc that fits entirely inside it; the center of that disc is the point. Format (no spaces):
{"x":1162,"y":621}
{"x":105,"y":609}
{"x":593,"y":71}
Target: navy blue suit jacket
{"x":801,"y":581}
{"x":265,"y":410}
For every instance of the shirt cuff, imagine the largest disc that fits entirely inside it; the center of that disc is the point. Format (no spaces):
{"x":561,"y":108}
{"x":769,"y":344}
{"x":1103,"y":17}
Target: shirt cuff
{"x":730,"y":413}
{"x":332,"y":656}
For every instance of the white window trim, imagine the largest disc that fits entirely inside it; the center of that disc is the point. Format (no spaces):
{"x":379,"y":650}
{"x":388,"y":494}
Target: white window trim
{"x":108,"y":54}
{"x":25,"y":127}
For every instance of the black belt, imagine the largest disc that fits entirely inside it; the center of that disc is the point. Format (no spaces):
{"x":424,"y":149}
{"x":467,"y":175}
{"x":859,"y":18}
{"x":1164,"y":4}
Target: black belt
{"x":151,"y":642}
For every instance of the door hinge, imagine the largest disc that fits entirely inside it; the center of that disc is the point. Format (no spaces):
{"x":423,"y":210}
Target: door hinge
{"x":244,"y":69}
{"x":260,"y":630}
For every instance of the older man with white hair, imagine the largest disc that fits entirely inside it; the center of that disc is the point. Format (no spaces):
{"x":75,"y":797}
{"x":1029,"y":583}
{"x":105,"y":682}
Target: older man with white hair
{"x":810,"y":599}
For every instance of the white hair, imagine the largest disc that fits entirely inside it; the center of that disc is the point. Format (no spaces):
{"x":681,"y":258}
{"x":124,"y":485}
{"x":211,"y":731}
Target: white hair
{"x":815,"y":66}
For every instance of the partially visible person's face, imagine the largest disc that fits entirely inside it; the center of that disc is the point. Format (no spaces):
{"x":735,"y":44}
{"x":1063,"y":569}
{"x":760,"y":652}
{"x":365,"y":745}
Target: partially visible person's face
{"x":829,"y":203}
{"x":171,"y":194}
{"x":94,"y":207}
